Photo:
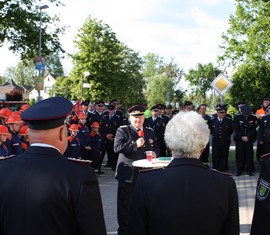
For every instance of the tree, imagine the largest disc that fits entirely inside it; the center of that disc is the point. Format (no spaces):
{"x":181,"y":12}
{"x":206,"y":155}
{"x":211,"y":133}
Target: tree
{"x":159,"y":88}
{"x":201,"y":78}
{"x":23,"y":74}
{"x":246,"y":47}
{"x":54,"y":65}
{"x":248,"y":35}
{"x":19,"y":25}
{"x":251,"y":84}
{"x":156,"y":72}
{"x":114,"y":68}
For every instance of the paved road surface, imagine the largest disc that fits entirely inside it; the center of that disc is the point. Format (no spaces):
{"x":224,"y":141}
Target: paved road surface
{"x":246,"y":186}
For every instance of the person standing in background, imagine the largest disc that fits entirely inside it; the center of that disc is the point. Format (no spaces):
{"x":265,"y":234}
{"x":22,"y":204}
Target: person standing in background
{"x":131,"y":142}
{"x":171,"y":200}
{"x":45,"y":193}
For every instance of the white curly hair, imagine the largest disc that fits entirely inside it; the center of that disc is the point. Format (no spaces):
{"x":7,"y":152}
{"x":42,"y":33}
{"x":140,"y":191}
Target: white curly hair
{"x":186,"y":134}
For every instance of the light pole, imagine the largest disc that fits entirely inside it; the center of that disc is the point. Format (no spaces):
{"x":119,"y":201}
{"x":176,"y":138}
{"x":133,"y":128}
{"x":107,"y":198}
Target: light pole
{"x":40,"y":40}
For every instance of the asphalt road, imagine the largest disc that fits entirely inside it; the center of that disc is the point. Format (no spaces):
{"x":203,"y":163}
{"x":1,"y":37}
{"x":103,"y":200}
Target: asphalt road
{"x":108,"y":189}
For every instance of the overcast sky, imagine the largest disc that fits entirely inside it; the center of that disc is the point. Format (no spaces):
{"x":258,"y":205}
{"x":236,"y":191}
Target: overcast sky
{"x":188,"y":31}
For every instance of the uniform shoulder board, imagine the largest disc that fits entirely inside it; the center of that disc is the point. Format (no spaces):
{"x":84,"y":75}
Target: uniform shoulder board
{"x":145,"y":170}
{"x":265,"y":156}
{"x":124,"y":126}
{"x":213,"y":117}
{"x":237,"y":114}
{"x":79,"y":161}
{"x":221,"y":172}
{"x":149,"y":128}
{"x":8,"y":157}
{"x":228,"y":118}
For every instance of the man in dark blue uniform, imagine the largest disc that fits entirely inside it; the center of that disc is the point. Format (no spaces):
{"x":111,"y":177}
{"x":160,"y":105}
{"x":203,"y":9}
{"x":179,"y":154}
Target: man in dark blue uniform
{"x":185,"y":197}
{"x":43,"y":192}
{"x":221,"y":128}
{"x":202,"y":111}
{"x":112,"y":121}
{"x":245,"y":125}
{"x":131,"y":142}
{"x":260,"y":222}
{"x":264,"y":132}
{"x":158,"y":125}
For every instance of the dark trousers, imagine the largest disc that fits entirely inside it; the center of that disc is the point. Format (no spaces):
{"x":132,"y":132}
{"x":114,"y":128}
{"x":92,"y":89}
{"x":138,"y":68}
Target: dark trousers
{"x":219,"y":156}
{"x":124,"y":196}
{"x":259,"y":151}
{"x":244,"y":151}
{"x":112,"y":156}
{"x":265,"y":148}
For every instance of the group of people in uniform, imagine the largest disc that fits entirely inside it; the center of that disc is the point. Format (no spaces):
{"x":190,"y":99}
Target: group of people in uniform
{"x":45,"y":166}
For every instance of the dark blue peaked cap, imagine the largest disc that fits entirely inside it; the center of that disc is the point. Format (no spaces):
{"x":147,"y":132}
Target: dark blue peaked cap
{"x":47,"y":114}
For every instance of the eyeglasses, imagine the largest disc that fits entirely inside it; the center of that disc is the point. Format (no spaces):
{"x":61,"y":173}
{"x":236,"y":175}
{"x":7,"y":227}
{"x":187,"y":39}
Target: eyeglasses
{"x":221,"y":112}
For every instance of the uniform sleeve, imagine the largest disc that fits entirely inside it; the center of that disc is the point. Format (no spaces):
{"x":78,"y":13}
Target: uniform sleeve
{"x":231,"y":226}
{"x":260,"y":222}
{"x":137,"y":224}
{"x":89,"y":210}
{"x":123,"y":143}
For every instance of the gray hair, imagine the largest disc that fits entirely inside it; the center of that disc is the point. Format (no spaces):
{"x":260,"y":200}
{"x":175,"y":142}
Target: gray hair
{"x":186,"y":135}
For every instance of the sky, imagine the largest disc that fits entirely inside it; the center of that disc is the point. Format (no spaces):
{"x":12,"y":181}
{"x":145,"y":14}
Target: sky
{"x":188,"y":31}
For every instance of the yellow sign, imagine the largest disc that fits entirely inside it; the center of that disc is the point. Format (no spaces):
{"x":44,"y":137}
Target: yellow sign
{"x":38,"y":83}
{"x":221,"y":84}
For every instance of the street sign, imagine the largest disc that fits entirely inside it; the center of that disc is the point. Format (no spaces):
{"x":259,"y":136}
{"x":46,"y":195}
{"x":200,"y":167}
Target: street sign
{"x":221,"y":84}
{"x":86,"y":85}
{"x":38,"y":83}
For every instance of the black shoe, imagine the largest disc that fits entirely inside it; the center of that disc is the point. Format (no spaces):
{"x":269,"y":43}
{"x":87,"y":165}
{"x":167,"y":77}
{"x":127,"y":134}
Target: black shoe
{"x":107,"y":165}
{"x":100,"y":172}
{"x":238,"y":173}
{"x":250,"y":174}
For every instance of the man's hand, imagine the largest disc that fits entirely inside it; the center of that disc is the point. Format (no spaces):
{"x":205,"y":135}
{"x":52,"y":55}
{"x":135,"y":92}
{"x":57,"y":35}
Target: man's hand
{"x":140,"y":142}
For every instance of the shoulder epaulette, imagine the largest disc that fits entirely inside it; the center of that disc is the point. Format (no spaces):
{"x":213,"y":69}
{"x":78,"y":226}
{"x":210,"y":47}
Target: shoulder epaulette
{"x":213,"y":117}
{"x":221,"y":172}
{"x":124,"y":126}
{"x":80,"y":161}
{"x":228,"y":118}
{"x":265,"y":156}
{"x":150,"y":169}
{"x":149,"y":128}
{"x":8,"y":157}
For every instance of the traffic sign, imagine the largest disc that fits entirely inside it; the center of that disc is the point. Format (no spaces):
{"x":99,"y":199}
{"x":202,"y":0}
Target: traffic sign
{"x":221,"y":84}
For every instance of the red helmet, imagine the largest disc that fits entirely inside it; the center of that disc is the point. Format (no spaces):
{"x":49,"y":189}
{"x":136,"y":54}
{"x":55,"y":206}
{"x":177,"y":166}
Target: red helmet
{"x":95,"y":124}
{"x":4,"y":112}
{"x":16,"y":112}
{"x":23,"y":130}
{"x":24,"y":107}
{"x":4,"y":130}
{"x":14,"y":118}
{"x":73,"y":127}
{"x":82,"y":116}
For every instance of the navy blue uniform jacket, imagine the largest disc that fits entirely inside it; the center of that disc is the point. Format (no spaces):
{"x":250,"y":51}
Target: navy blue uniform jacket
{"x":125,"y":144}
{"x":260,"y":223}
{"x":184,"y":198}
{"x":44,"y":193}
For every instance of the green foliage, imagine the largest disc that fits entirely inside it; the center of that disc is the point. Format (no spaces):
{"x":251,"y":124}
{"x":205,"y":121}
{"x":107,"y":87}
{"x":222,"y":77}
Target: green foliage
{"x":251,"y":84}
{"x":162,"y":80}
{"x":159,"y":86}
{"x":248,"y":38}
{"x":23,"y":74}
{"x":19,"y":25}
{"x":201,"y":77}
{"x":114,"y":68}
{"x":54,"y":65}
{"x":246,"y":47}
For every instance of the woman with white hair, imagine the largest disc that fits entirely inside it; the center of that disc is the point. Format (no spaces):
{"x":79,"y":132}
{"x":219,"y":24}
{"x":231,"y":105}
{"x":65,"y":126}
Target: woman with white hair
{"x":185,"y":197}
